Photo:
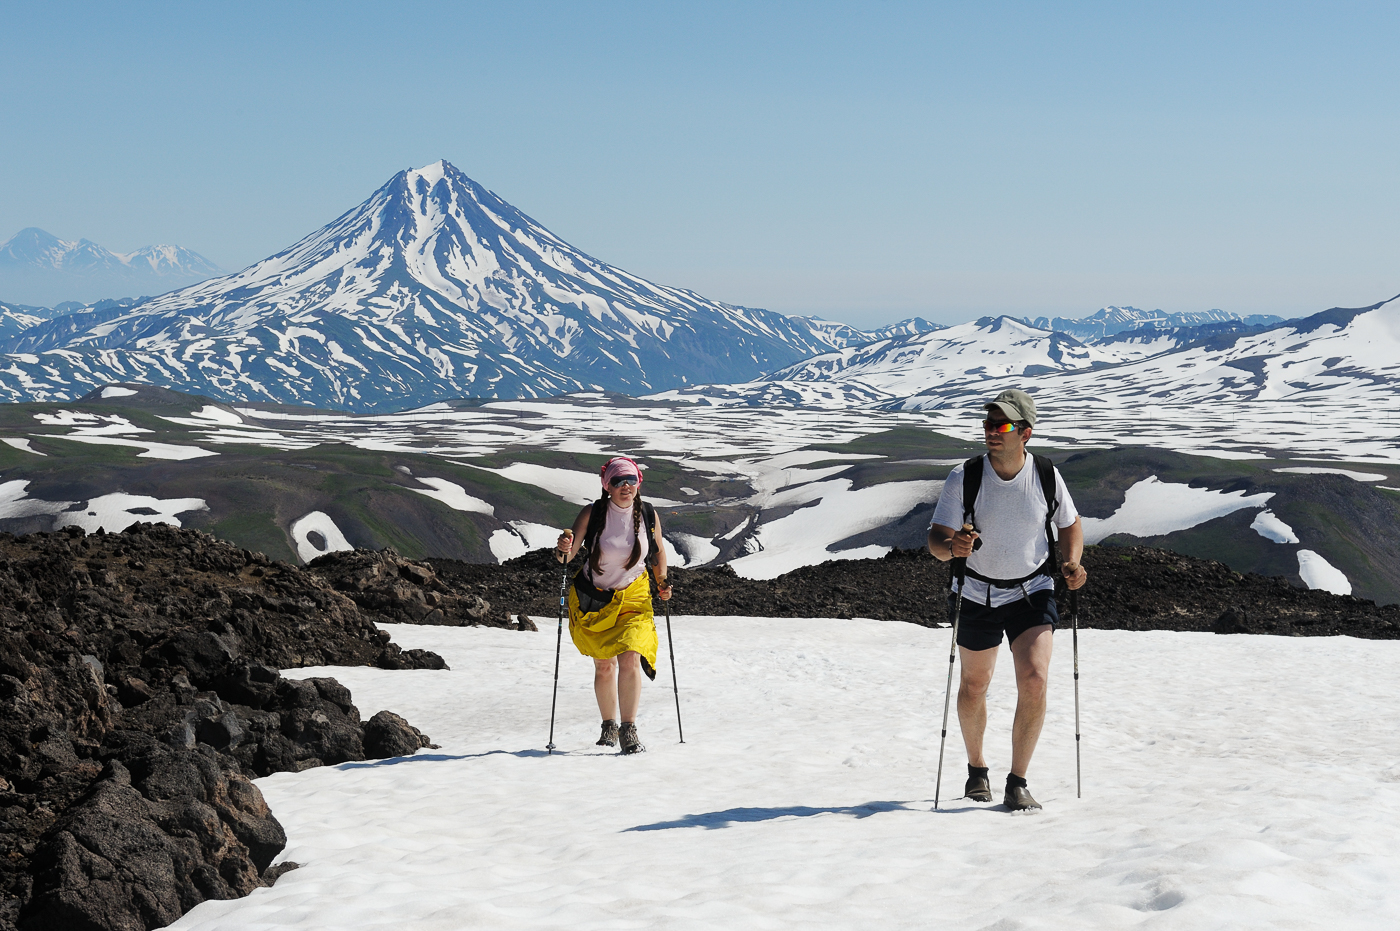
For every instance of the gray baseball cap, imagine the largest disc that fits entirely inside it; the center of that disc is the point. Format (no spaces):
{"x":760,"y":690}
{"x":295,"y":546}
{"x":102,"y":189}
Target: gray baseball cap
{"x":1015,"y":404}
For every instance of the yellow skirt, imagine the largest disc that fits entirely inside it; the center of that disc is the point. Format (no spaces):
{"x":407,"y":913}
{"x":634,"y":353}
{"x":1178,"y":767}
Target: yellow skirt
{"x":626,"y":623}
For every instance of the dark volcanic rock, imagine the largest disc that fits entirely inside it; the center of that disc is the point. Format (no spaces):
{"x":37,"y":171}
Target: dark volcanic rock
{"x":1231,"y":621}
{"x":139,"y":694}
{"x":143,"y":847}
{"x":400,"y":591}
{"x":1129,"y":588}
{"x":388,"y":735}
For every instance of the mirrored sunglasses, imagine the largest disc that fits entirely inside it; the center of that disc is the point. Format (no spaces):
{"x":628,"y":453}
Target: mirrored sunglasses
{"x":622,"y":480}
{"x":999,"y":426}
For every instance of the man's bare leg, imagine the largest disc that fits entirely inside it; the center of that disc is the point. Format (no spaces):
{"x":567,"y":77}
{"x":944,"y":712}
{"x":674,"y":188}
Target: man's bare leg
{"x":1031,"y":651}
{"x":977,"y":668}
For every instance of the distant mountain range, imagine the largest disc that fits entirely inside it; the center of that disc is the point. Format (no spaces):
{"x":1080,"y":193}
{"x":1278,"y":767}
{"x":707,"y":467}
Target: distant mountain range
{"x":433,"y":288}
{"x":1338,"y":353}
{"x":1110,"y":321}
{"x":39,"y":268}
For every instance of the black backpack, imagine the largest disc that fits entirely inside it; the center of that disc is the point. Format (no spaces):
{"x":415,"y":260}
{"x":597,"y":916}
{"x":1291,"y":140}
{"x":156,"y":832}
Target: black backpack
{"x":972,"y":484}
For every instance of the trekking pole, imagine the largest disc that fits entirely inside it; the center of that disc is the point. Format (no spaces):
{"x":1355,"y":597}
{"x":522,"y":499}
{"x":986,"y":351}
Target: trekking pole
{"x":674,"y":687}
{"x":1074,"y":621}
{"x":958,"y":566}
{"x":558,"y":645}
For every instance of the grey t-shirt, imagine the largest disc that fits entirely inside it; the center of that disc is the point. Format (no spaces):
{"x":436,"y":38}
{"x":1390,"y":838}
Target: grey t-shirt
{"x":1011,"y":522}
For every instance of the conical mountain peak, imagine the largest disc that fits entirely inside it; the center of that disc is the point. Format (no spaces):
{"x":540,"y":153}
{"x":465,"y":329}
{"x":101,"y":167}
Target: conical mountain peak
{"x":433,"y":288}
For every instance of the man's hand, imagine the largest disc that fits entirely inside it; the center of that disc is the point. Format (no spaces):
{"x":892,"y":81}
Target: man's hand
{"x":962,"y":542}
{"x":564,"y":546}
{"x":1074,"y":573}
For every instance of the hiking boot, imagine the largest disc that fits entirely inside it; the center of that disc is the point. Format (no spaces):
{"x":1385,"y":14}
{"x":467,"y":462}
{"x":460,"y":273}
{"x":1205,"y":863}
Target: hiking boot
{"x":1018,"y":797}
{"x":609,"y":736}
{"x":978,"y":787}
{"x":627,"y":735}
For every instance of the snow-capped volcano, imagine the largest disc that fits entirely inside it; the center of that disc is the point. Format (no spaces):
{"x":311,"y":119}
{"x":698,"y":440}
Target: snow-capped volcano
{"x":38,"y":266}
{"x":432,"y":288}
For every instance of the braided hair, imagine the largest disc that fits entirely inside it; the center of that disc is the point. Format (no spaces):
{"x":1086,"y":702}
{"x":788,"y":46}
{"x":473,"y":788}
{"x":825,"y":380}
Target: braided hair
{"x":597,"y":550}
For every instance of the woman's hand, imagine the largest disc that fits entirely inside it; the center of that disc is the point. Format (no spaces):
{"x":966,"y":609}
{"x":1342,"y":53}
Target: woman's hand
{"x":564,"y":546}
{"x":663,"y":589}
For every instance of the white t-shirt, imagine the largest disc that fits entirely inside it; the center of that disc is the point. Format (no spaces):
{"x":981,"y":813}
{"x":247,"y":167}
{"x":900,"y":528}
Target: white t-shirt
{"x":1010,"y":518}
{"x":615,"y":546}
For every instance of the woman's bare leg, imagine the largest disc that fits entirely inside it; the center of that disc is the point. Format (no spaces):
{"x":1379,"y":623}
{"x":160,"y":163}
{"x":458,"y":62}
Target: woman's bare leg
{"x":629,"y":684}
{"x":605,"y":688}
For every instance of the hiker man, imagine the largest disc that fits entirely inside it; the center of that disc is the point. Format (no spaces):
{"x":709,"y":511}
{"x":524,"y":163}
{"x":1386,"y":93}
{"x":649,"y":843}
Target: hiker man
{"x":1012,"y":499}
{"x":610,"y":614}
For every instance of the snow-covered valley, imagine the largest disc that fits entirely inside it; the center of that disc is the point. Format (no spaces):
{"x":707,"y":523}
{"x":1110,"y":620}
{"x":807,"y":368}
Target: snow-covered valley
{"x":1240,"y":782}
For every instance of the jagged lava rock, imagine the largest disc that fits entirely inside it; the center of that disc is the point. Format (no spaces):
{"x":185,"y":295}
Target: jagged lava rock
{"x":401,"y":591}
{"x":139,"y":695}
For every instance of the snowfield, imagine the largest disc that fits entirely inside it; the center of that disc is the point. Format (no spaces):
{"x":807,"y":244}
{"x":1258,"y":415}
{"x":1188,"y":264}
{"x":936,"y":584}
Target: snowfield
{"x":1230,"y":782}
{"x":1151,"y":507}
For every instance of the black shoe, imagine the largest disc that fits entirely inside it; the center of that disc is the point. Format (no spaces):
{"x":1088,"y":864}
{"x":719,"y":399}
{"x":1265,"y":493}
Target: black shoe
{"x":628,"y":736}
{"x":978,"y":787}
{"x":1018,"y":797}
{"x":609,"y":736}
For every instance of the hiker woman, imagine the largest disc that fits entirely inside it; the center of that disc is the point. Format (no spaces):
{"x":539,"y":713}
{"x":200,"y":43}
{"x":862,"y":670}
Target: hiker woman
{"x":610,"y":617}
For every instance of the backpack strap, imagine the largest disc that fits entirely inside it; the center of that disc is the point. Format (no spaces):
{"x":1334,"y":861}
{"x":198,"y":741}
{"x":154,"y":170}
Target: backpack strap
{"x":1045,"y":471}
{"x":596,"y":519}
{"x":649,"y":518}
{"x":972,"y":484}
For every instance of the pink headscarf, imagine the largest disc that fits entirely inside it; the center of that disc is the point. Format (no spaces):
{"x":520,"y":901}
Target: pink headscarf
{"x":620,"y":465}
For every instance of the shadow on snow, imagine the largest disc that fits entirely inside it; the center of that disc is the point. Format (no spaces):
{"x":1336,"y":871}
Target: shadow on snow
{"x":723,"y":819}
{"x":443,"y":758}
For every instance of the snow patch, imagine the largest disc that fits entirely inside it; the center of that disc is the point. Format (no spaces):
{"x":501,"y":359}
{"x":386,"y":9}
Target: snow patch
{"x":20,"y":443}
{"x":218,"y":415}
{"x":1319,"y":573}
{"x":331,"y":540}
{"x":1318,"y":470}
{"x":454,"y":496}
{"x":833,"y":512}
{"x":1153,"y":507}
{"x":1268,"y":526}
{"x":152,"y":450}
{"x":698,"y":550}
{"x":118,"y":511}
{"x":570,"y":484}
{"x":116,"y":391}
{"x":15,"y":501}
{"x":519,"y":537}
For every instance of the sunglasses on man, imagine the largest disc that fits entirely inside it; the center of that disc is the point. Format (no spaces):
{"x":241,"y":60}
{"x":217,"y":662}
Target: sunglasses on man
{"x":1001,"y":426}
{"x":618,"y":480}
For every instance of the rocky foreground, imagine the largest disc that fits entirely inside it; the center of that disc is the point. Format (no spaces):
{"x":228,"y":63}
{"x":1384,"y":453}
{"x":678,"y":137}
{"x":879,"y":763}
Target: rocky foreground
{"x":140,"y":694}
{"x":140,"y":691}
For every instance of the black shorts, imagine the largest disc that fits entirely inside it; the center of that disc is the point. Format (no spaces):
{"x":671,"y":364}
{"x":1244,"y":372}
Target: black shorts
{"x":981,"y":627}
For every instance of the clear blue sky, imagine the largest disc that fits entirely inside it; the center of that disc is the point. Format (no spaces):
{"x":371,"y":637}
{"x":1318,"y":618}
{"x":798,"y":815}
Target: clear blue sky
{"x":861,"y":161}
